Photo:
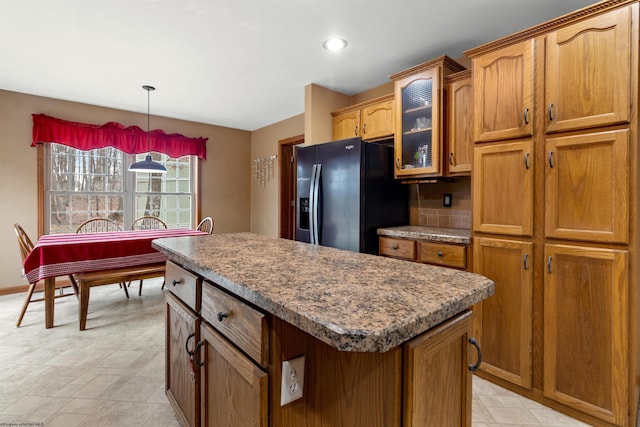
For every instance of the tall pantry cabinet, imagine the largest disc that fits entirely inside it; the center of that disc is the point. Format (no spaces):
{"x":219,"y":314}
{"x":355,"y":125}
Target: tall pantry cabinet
{"x":555,"y":215}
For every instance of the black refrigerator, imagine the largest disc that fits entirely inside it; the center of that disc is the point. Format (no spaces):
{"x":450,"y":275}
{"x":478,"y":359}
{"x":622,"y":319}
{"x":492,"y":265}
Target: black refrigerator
{"x":345,"y":192}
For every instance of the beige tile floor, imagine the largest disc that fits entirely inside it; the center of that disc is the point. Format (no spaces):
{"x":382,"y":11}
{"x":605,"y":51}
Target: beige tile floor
{"x":112,"y":374}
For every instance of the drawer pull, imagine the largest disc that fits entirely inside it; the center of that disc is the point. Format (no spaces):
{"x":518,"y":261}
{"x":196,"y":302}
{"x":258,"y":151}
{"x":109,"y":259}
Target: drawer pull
{"x":221,"y":316}
{"x":394,"y":246}
{"x":474,"y":343}
{"x":440,"y":254}
{"x":176,"y":282}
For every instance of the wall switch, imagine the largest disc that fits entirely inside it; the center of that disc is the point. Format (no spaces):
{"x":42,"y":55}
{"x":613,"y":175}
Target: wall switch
{"x":292,"y":380}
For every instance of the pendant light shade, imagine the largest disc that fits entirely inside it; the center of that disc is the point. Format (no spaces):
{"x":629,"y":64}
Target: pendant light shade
{"x":148,"y":165}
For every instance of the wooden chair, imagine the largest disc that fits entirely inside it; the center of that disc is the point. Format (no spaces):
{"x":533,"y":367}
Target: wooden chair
{"x":148,"y":222}
{"x":206,"y":225}
{"x":98,"y":225}
{"x":26,"y":246}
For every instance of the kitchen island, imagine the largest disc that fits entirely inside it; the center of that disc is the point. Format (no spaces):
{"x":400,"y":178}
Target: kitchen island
{"x":385,"y":342}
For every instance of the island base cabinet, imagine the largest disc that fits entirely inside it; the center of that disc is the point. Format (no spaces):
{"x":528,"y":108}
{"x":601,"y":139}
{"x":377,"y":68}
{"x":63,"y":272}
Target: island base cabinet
{"x":234,"y":391}
{"x":181,"y":377}
{"x":437,"y":379}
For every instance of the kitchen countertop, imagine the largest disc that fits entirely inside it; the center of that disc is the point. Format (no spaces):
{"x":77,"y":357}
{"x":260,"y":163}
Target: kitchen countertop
{"x":349,"y":300}
{"x":433,"y":234}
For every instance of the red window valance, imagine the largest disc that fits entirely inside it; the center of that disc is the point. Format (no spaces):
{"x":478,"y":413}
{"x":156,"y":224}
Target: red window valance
{"x":132,"y":139}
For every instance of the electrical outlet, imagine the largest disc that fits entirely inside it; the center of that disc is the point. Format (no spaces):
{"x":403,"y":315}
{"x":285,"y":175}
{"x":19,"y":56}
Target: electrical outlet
{"x":292,"y":380}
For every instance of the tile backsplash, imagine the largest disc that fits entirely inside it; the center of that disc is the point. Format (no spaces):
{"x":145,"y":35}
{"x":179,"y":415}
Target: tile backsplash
{"x":426,"y":204}
{"x":445,"y":217}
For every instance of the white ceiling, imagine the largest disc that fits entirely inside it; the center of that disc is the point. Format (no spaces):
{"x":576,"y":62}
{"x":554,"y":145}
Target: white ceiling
{"x":237,"y":63}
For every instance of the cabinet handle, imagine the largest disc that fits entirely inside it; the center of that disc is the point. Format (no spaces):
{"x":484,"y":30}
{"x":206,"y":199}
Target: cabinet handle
{"x":439,"y":254}
{"x":526,"y":160}
{"x":364,"y":128}
{"x":549,"y":259}
{"x":176,"y":282}
{"x":525,"y":261}
{"x":398,"y":163}
{"x":395,"y":246}
{"x":355,"y":130}
{"x":222,"y":316}
{"x":526,"y":116}
{"x":451,"y":158}
{"x":474,"y":343}
{"x":550,"y":159}
{"x":196,"y":359}
{"x":550,"y":112}
{"x":186,"y":344}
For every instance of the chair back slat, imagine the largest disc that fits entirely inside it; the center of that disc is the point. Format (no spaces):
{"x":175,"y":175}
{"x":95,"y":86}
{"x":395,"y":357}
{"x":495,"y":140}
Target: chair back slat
{"x":24,"y":242}
{"x":148,"y":222}
{"x":98,"y":225}
{"x":206,"y":225}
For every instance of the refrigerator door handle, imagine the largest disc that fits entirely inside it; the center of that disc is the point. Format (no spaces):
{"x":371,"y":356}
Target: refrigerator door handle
{"x":316,"y":201}
{"x":312,"y":203}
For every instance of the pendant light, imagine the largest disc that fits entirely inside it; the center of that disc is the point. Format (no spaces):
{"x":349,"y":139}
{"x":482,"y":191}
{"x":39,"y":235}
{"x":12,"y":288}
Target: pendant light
{"x":148,"y":165}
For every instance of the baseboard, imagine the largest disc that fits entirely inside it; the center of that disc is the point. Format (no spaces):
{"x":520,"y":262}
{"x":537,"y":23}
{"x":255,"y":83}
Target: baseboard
{"x":60,"y":283}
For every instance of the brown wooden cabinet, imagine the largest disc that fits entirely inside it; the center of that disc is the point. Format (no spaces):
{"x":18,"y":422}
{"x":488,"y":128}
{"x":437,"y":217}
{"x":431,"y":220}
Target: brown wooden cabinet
{"x":586,"y":335}
{"x":234,"y":390}
{"x":587,"y":187}
{"x":459,"y":136}
{"x":503,"y":188}
{"x":505,"y":320}
{"x":437,"y":387}
{"x":503,"y":84}
{"x":182,"y":378}
{"x":437,"y":253}
{"x":370,"y":120}
{"x":598,"y":92}
{"x":419,"y":111}
{"x":575,"y":211}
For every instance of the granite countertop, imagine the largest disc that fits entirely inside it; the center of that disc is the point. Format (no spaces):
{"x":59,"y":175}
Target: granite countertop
{"x":433,"y":234}
{"x":349,"y":300}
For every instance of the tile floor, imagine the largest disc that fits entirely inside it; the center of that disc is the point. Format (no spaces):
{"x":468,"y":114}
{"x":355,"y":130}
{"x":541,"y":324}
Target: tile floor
{"x":112,"y":374}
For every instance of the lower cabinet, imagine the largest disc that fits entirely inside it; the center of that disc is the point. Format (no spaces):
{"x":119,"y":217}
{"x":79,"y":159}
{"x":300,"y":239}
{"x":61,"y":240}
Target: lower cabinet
{"x":182,"y":378}
{"x":437,"y":387}
{"x":234,"y":390}
{"x":443,"y":254}
{"x":586,"y":339}
{"x":504,"y":321}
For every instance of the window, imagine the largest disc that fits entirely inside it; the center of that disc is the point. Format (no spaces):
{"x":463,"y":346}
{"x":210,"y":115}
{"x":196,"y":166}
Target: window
{"x":79,"y":185}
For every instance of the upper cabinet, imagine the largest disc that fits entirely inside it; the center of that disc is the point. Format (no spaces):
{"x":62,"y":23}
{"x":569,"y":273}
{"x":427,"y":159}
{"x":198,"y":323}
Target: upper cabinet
{"x":459,"y":136}
{"x":503,"y":82}
{"x":419,"y":117}
{"x":371,"y":120}
{"x":595,"y":92}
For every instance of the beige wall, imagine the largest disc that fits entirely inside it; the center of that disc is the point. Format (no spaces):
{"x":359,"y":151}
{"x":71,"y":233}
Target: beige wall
{"x":264,"y":200}
{"x":225,"y":173}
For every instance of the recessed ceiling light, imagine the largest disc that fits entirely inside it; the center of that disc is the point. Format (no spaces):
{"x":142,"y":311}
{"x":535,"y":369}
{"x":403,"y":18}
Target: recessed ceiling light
{"x":334,"y":44}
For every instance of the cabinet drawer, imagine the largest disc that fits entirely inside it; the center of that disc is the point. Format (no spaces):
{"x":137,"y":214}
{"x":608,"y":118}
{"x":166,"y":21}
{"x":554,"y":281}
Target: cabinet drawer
{"x":443,"y":254}
{"x":243,"y":325}
{"x":398,"y":248}
{"x":183,"y":284}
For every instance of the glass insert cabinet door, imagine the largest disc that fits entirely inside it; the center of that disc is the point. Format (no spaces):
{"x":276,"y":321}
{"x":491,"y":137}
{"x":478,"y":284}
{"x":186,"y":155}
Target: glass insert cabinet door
{"x":417,"y":144}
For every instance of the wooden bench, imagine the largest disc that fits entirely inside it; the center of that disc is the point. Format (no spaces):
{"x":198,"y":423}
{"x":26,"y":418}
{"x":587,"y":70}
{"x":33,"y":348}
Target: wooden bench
{"x":104,"y":277}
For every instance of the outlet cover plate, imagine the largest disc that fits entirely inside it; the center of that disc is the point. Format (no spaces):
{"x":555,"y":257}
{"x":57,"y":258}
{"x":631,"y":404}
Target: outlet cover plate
{"x":292,"y":380}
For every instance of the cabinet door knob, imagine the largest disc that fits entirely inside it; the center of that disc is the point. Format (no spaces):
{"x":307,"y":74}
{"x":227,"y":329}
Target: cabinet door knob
{"x":525,"y":261}
{"x":440,"y":254}
{"x":526,"y":160}
{"x":186,"y":344}
{"x":550,"y":159}
{"x":526,"y":116}
{"x":222,"y":316}
{"x":398,"y":163}
{"x":549,"y":259}
{"x":364,"y":128}
{"x":196,"y":359}
{"x":395,"y":246}
{"x":550,"y":112}
{"x":176,"y":282}
{"x":451,"y":158}
{"x":474,"y":343}
{"x":355,"y":130}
